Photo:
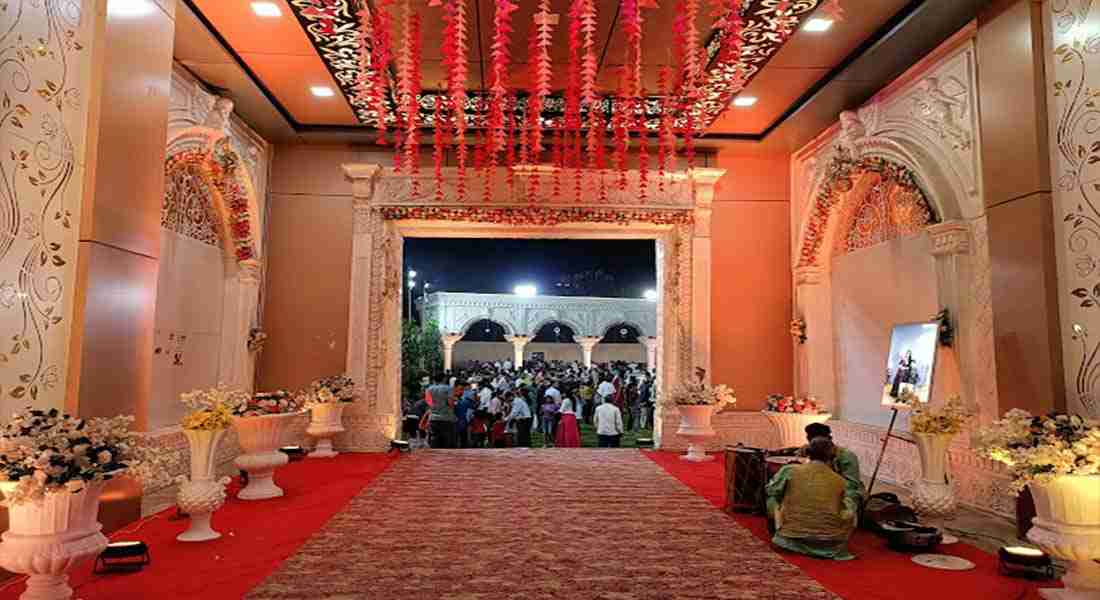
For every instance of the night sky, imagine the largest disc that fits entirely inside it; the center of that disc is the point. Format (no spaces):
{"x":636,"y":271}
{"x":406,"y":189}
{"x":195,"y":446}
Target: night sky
{"x":607,"y":268}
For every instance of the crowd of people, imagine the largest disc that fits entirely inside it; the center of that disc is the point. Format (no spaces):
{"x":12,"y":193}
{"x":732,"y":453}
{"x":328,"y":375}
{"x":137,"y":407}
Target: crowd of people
{"x":498,"y":404}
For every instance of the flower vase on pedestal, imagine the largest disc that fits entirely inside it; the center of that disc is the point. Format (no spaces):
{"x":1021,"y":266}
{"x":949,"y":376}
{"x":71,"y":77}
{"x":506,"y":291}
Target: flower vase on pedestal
{"x":46,"y":537}
{"x":1067,"y":527}
{"x":202,"y":494}
{"x":325,"y":422}
{"x":791,"y":427}
{"x":933,"y":498}
{"x":260,"y":438}
{"x":695,"y":427}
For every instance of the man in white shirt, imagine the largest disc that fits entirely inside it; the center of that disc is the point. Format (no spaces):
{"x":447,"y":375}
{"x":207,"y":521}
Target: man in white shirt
{"x":554,"y":393}
{"x":609,"y":425}
{"x":604,"y":391}
{"x":521,"y":418}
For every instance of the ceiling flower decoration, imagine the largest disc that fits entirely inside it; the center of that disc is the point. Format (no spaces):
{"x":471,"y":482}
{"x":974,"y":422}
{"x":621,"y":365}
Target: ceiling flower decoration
{"x":355,"y":40}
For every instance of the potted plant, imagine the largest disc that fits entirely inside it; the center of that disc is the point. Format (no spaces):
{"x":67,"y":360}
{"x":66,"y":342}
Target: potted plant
{"x":209,"y":419}
{"x":53,"y":468}
{"x":933,"y":429}
{"x":261,"y":422}
{"x":1058,"y":457}
{"x":326,"y":400}
{"x":791,"y":415}
{"x":696,"y":402}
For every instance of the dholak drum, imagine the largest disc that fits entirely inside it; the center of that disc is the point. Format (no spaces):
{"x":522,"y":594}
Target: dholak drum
{"x":778,"y":462}
{"x":746,"y":475}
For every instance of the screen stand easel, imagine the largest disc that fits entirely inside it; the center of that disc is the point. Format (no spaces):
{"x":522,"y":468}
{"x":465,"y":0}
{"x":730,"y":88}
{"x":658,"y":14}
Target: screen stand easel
{"x":882,"y":451}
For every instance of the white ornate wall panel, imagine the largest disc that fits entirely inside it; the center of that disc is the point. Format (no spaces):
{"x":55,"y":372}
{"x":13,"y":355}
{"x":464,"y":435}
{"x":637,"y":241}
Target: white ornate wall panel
{"x":45,"y":63}
{"x":1073,"y":76}
{"x":926,"y":123}
{"x":456,"y":312}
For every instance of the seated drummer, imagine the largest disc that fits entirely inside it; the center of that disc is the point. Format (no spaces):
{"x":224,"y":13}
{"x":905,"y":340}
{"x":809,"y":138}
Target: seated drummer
{"x":846,"y":463}
{"x":814,"y":512}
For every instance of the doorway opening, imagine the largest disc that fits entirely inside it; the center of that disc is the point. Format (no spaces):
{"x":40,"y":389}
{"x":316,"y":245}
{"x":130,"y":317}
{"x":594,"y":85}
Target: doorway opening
{"x":561,"y":325}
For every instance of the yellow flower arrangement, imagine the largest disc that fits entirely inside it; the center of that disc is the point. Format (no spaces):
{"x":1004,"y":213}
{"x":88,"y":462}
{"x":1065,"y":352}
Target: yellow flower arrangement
{"x":211,"y":409}
{"x":951,"y":418}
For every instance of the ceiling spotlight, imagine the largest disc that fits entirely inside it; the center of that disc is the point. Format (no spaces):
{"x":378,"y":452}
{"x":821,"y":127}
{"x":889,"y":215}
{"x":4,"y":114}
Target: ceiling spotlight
{"x":130,"y":8}
{"x":817,"y":25}
{"x":744,"y":101}
{"x":650,"y":295}
{"x":322,"y":91}
{"x":266,"y":9}
{"x":526,"y":290}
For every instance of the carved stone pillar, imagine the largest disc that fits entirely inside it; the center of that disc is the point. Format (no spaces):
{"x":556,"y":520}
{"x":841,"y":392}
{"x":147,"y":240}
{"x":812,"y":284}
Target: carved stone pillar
{"x":651,"y":344}
{"x":587,"y":343}
{"x":816,"y":362}
{"x":705,"y":180}
{"x":518,"y":343}
{"x":242,"y":294}
{"x":951,"y":249}
{"x":449,"y":342}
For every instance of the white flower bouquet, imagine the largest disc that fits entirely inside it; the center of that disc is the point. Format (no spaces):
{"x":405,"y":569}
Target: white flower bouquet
{"x":47,"y":452}
{"x":1038,"y":449}
{"x":950,"y":418}
{"x":698,"y":393}
{"x":212,"y":409}
{"x":340,"y":388}
{"x":268,"y":403}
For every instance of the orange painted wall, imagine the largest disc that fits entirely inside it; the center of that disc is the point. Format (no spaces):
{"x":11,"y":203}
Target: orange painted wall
{"x":751,"y":278}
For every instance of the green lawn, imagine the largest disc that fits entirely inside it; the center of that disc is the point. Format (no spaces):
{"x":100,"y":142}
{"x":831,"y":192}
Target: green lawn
{"x":588,"y":437}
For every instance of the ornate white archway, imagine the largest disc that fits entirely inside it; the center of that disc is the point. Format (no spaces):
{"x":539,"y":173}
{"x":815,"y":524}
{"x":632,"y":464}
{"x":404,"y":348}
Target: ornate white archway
{"x":391,"y":206}
{"x":205,"y":153}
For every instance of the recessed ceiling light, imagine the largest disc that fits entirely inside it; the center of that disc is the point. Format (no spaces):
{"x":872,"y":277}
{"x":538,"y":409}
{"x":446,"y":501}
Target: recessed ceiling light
{"x":818,"y":25}
{"x":322,"y":91}
{"x":744,"y":101}
{"x":266,"y":9}
{"x":130,"y":8}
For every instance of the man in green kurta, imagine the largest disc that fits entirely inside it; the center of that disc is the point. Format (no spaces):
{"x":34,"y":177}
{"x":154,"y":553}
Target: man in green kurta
{"x":845,"y":463}
{"x":813,"y":507}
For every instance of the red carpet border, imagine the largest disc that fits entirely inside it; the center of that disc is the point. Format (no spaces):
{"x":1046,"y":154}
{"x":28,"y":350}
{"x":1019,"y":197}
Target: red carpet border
{"x":257,"y":537}
{"x":580,"y":524}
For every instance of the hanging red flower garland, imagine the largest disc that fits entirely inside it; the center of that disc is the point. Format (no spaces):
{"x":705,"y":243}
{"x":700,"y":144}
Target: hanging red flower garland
{"x":454,"y":59}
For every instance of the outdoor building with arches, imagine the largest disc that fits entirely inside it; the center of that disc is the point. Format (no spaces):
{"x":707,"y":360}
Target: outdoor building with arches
{"x":568,"y":328}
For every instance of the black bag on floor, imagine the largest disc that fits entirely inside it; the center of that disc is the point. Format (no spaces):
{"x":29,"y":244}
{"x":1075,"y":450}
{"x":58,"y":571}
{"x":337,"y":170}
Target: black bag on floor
{"x":882,"y":508}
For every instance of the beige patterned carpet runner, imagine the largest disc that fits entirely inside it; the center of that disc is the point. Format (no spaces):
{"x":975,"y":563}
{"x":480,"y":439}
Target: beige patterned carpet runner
{"x":577,"y":524}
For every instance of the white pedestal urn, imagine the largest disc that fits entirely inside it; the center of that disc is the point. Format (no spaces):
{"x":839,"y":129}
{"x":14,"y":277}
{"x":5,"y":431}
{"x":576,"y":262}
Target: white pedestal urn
{"x":260,"y":439}
{"x":932,"y":495}
{"x":695,"y":427}
{"x":325,"y":422}
{"x":791,"y":427}
{"x":203,"y":493}
{"x":48,"y":537}
{"x":1067,"y":527}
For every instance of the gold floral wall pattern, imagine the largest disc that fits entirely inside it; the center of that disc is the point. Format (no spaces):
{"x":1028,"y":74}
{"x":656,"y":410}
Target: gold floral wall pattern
{"x":1074,"y":92}
{"x":42,"y":62}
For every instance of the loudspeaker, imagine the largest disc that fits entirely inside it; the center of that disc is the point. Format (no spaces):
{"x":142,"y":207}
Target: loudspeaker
{"x":746,"y":476}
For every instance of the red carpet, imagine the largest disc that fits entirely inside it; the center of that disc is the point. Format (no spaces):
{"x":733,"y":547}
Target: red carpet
{"x":256,"y":537}
{"x":879,"y":573}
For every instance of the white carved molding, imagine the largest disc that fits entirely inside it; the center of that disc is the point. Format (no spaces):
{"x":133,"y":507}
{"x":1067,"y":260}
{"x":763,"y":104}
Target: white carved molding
{"x":587,"y":316}
{"x":390,"y":206}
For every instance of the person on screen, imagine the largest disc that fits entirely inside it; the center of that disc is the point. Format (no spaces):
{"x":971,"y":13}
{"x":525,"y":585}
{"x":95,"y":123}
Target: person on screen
{"x":813,"y":512}
{"x":904,"y":373}
{"x":845,"y":462}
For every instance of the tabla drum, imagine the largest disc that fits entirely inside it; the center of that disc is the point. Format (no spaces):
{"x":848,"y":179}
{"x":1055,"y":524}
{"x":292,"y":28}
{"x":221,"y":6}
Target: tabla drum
{"x":774,"y":463}
{"x":746,"y":475}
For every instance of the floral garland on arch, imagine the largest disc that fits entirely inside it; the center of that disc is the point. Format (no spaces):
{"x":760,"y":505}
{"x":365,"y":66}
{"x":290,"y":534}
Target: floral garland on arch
{"x":220,"y":167}
{"x":535,"y":216}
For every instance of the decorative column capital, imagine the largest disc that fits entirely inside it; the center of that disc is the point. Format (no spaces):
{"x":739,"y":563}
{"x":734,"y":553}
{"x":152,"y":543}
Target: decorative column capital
{"x":518,"y":340}
{"x":707,"y":176}
{"x":249,"y":271}
{"x":809,"y":275}
{"x":649,"y":342}
{"x":952,"y":237}
{"x":363,"y":178}
{"x":450,"y":339}
{"x":588,"y":341}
